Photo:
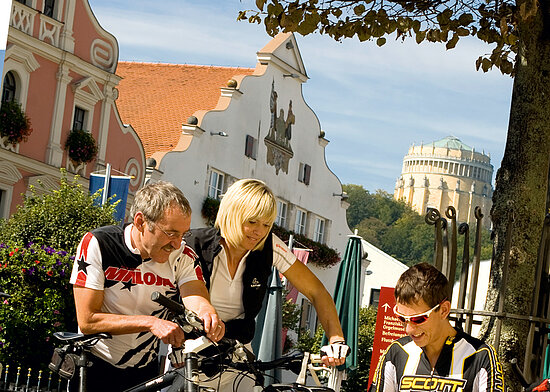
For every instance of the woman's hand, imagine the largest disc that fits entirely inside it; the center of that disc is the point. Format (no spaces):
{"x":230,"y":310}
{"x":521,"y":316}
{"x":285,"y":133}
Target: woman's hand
{"x":335,"y":354}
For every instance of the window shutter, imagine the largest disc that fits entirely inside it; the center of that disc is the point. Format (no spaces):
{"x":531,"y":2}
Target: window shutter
{"x":249,"y":146}
{"x":307,"y":174}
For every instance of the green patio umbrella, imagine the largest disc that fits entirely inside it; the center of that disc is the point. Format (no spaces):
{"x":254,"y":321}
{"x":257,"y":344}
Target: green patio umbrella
{"x":348,"y":299}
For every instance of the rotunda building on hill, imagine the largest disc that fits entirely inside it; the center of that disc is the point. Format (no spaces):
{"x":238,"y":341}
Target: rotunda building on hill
{"x":446,"y":173}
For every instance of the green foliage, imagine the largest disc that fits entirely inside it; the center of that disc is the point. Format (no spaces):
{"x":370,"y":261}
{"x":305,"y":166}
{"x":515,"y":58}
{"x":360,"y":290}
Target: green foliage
{"x":379,"y":205}
{"x":81,"y":146}
{"x":423,"y":20}
{"x":37,"y":278}
{"x":358,"y":378}
{"x":14,"y":123}
{"x":209,"y":210}
{"x":398,"y":230}
{"x":56,"y":218}
{"x":308,"y":343}
{"x":321,"y":255}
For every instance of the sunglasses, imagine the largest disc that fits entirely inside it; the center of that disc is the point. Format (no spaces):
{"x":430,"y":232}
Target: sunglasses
{"x":417,"y":318}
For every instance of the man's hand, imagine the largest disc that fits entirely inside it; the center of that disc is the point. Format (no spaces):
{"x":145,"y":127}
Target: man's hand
{"x":195,"y":297}
{"x":213,"y":326}
{"x":168,"y":332}
{"x":335,"y":354}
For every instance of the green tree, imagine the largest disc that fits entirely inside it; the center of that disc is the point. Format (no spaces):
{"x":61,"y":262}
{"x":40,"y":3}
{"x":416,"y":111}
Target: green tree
{"x":360,"y":204}
{"x":36,"y":248}
{"x":372,"y":229}
{"x":519,"y":31}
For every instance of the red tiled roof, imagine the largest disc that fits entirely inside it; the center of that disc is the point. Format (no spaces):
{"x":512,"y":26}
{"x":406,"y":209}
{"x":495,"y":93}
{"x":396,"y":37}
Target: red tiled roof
{"x":156,"y":98}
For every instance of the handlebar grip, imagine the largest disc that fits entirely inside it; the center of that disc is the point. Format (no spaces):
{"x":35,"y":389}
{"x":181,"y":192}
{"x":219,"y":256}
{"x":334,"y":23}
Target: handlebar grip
{"x":168,"y":303}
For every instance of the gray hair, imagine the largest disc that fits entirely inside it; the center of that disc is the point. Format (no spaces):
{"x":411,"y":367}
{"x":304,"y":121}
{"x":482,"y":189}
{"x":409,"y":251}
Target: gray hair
{"x":154,"y":199}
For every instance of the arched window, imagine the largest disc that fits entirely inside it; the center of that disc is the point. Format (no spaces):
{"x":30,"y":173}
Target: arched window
{"x":9,"y":86}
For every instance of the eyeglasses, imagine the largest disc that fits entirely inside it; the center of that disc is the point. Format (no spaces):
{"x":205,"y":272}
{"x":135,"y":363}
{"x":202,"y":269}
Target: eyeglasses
{"x":172,"y":236}
{"x":417,"y":318}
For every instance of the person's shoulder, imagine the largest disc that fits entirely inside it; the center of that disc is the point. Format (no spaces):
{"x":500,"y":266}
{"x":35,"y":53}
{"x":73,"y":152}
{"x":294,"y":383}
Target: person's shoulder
{"x":401,"y":344}
{"x":278,"y":243}
{"x":108,"y":230}
{"x":201,"y":240}
{"x":475,"y":343}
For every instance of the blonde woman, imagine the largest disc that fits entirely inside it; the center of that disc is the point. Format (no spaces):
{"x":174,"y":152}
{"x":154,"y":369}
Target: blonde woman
{"x":234,"y":260}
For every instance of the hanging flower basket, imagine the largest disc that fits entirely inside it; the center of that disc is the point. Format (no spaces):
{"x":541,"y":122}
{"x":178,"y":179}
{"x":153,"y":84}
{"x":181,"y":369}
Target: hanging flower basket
{"x":15,"y":126}
{"x":81,"y":146}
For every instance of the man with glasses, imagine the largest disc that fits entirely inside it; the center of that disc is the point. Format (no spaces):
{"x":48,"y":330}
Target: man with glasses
{"x":115,"y":271}
{"x":434,"y":356}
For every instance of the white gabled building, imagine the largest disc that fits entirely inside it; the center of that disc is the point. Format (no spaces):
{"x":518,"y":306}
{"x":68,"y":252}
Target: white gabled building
{"x":240,"y":123}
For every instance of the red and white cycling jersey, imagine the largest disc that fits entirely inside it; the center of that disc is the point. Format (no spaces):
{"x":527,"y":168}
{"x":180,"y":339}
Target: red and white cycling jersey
{"x":105,"y":260}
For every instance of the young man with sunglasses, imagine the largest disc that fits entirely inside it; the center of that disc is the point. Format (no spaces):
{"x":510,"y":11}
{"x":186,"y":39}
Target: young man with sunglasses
{"x":434,"y":356}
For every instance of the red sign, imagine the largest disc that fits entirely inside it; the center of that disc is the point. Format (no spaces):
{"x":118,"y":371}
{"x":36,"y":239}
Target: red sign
{"x":388,"y":328}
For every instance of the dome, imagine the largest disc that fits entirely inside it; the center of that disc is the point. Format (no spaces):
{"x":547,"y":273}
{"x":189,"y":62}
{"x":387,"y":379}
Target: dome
{"x":451,"y":142}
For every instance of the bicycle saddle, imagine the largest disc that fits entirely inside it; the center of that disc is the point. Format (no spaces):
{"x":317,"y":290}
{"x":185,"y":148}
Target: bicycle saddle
{"x":78,"y":337}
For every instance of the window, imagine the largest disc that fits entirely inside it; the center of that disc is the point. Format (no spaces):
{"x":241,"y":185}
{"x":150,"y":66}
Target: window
{"x":374,"y":298}
{"x":215,"y":187}
{"x":8,"y":89}
{"x":282,"y":208}
{"x":79,"y":119}
{"x":251,"y":147}
{"x":319,"y":234}
{"x":300,"y":224}
{"x":49,"y":6}
{"x":308,"y":318}
{"x":305,"y":173}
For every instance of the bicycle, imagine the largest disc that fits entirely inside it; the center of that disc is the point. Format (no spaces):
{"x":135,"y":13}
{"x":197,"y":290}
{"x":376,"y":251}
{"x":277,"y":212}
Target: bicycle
{"x":199,"y":354}
{"x":202,"y":355}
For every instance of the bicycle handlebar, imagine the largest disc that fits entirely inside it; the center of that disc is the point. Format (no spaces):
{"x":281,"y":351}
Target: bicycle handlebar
{"x":188,"y":320}
{"x":290,"y":362}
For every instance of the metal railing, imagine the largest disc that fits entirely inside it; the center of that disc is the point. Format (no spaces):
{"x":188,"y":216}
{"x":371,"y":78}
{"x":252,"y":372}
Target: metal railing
{"x":445,"y":259}
{"x":15,"y":379}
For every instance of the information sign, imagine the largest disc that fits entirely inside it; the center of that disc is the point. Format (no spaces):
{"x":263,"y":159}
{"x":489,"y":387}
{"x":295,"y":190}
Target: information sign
{"x":388,"y":328}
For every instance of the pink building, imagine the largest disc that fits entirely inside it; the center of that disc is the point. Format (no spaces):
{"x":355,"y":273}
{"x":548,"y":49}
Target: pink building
{"x":60,"y":66}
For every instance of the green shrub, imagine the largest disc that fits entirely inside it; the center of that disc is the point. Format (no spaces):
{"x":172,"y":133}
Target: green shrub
{"x":56,"y":218}
{"x":41,"y":302}
{"x":308,"y":343}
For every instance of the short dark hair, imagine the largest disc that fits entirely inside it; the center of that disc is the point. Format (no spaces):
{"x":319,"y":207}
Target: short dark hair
{"x":155,"y":198}
{"x":422,"y":282}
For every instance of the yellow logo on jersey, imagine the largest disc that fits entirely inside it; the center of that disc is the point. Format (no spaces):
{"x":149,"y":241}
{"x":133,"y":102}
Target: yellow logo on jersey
{"x":431,"y":383}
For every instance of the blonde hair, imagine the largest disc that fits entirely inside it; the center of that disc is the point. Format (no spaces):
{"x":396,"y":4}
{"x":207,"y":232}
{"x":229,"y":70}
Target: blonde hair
{"x":247,"y":199}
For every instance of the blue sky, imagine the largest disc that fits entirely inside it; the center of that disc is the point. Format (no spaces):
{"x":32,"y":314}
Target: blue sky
{"x":372,"y":102}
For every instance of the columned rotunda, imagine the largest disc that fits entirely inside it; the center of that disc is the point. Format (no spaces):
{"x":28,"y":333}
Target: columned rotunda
{"x":446,"y":173}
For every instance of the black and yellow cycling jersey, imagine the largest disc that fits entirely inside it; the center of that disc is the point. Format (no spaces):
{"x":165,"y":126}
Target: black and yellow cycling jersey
{"x":465,"y":364}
